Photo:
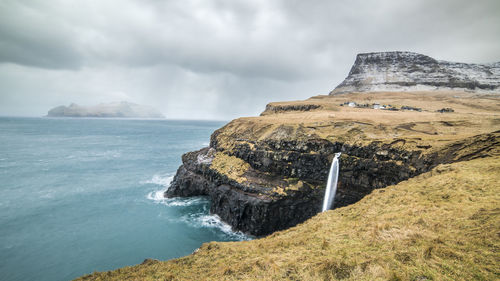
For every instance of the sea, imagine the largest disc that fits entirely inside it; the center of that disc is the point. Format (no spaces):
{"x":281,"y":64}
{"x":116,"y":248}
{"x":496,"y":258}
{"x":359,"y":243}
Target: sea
{"x":84,"y":195}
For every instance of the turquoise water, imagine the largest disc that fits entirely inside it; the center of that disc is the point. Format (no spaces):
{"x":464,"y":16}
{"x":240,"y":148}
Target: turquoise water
{"x":84,"y":195}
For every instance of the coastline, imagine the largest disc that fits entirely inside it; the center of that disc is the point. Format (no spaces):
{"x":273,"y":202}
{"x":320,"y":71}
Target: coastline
{"x":418,"y":176}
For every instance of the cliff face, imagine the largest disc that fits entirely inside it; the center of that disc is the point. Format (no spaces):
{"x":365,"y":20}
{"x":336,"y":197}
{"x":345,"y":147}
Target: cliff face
{"x":249,"y":200}
{"x":268,"y":173}
{"x":397,"y":71}
{"x":115,"y":110}
{"x":284,"y":182}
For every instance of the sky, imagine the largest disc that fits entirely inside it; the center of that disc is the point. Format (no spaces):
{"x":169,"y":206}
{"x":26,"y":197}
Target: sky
{"x":221,"y":59}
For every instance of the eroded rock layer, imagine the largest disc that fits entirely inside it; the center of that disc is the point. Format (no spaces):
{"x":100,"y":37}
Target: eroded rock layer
{"x":268,"y":173}
{"x":398,"y":71}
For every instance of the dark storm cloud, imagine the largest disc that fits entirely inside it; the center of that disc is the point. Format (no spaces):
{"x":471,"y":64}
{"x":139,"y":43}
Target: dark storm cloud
{"x":220,"y":58}
{"x":274,"y":39}
{"x":202,"y":37}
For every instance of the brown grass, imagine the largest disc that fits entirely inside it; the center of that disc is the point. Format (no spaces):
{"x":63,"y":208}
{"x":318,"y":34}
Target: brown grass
{"x":473,"y":115}
{"x":441,"y":225}
{"x":233,"y":167}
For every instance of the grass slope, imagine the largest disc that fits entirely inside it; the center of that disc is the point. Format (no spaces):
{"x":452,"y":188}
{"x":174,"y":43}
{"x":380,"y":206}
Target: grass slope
{"x":441,"y":225}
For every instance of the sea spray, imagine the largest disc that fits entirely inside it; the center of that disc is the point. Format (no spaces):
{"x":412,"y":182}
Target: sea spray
{"x":198,"y":217}
{"x":331,"y":185}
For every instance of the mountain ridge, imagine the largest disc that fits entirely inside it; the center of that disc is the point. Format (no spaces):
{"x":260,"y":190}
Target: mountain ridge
{"x":409,"y":71}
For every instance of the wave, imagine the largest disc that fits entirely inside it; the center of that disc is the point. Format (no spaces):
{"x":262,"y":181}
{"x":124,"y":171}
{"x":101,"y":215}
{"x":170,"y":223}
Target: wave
{"x":202,"y":220}
{"x":198,"y":219}
{"x":95,"y":155}
{"x":158,"y":195}
{"x":186,"y":201}
{"x":163,"y":180}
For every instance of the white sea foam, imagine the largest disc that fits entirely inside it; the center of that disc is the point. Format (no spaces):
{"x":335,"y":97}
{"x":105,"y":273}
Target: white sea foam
{"x":156,"y":195}
{"x":214,"y":221}
{"x":108,"y":154}
{"x":95,"y":155}
{"x":196,"y":219}
{"x":47,"y":195}
{"x":163,"y":180}
{"x":186,"y":201}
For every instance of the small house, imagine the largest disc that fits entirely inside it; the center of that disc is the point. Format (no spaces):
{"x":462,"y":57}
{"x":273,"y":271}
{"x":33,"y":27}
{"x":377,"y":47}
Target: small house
{"x":411,"y":108}
{"x":446,"y":110}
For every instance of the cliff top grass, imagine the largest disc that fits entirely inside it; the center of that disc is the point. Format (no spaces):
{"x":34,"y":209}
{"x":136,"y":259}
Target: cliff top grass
{"x":240,"y":171}
{"x":441,"y":225}
{"x":473,"y":114}
{"x":233,"y":167}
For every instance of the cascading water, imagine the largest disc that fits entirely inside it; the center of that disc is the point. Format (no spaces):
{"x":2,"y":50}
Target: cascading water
{"x":331,"y":185}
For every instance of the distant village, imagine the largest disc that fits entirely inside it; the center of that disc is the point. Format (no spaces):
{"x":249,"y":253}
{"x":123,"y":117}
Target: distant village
{"x":390,"y":107}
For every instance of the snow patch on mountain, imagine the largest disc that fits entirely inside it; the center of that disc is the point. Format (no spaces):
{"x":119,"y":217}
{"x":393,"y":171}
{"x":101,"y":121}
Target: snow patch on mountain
{"x":407,"y":71}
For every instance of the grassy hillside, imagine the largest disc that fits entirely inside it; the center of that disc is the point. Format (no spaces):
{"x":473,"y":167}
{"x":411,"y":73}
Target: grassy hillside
{"x":441,"y":225}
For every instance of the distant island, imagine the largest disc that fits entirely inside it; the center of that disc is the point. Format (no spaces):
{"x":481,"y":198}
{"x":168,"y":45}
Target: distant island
{"x":106,"y":110}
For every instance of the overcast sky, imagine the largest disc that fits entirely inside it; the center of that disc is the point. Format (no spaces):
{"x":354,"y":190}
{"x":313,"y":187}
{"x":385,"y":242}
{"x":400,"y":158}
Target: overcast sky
{"x":201,"y":59}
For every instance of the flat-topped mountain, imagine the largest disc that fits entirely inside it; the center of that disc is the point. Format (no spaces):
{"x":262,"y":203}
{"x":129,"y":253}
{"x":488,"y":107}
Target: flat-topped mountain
{"x":115,"y":109}
{"x":407,"y":71}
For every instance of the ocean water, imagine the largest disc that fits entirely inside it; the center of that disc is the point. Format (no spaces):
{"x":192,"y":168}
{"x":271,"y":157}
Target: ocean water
{"x":84,"y":195}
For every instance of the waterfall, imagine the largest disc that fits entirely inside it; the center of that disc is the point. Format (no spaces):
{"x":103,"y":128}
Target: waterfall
{"x":331,"y":185}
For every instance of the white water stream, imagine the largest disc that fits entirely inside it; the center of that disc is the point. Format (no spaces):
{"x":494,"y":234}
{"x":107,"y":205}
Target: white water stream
{"x":331,"y":185}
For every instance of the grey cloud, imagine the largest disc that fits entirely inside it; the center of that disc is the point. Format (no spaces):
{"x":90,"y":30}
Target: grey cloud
{"x":221,"y":58}
{"x":34,"y":38}
{"x":238,"y":39}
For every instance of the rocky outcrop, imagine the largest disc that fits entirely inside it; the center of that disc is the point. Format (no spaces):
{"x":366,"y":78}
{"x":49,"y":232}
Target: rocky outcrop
{"x":283,"y":184}
{"x":404,"y":71}
{"x":279,"y":108}
{"x":109,"y":110}
{"x":254,"y":206}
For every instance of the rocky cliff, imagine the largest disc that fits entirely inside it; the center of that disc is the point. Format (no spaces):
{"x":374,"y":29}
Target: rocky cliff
{"x":114,"y":110}
{"x":268,"y":173}
{"x":397,"y":71}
